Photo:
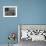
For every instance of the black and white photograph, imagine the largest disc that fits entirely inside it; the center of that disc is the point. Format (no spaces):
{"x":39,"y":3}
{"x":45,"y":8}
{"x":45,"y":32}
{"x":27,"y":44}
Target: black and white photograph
{"x":29,"y":34}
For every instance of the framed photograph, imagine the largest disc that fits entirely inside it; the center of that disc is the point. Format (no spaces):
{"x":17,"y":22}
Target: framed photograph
{"x":33,"y":32}
{"x":9,"y":11}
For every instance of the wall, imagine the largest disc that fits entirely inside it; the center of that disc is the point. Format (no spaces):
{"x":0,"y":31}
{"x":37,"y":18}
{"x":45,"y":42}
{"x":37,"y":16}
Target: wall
{"x":7,"y":25}
{"x":29,"y":12}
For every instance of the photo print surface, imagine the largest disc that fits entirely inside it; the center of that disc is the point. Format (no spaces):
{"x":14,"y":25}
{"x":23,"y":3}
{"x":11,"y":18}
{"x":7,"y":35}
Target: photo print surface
{"x":10,"y":11}
{"x":33,"y":32}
